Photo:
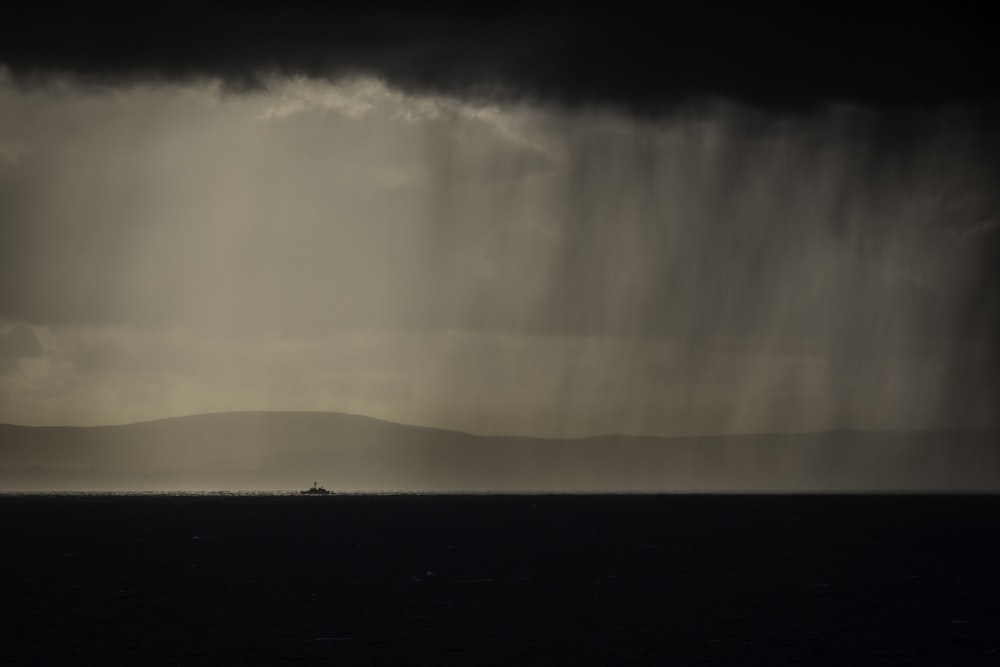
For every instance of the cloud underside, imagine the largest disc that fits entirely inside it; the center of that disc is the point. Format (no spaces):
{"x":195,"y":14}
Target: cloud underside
{"x":796,"y":57}
{"x":176,"y":247}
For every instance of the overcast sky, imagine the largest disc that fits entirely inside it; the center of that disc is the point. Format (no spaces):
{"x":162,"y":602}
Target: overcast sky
{"x":719,"y":223}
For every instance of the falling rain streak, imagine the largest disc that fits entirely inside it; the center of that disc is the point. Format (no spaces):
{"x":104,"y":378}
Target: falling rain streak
{"x":496,"y":268}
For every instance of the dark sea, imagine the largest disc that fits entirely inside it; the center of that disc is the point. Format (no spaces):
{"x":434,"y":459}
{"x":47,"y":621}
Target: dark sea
{"x":210,"y":579}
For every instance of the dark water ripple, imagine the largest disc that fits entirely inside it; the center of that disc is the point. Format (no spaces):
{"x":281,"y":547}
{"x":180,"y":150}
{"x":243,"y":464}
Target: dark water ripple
{"x":484,"y":579}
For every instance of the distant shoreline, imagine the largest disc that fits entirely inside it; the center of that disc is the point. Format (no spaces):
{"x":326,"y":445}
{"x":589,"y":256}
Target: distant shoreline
{"x":287,"y":450}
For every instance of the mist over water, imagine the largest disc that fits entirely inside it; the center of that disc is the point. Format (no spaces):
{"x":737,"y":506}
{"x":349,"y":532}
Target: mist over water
{"x":496,"y":269}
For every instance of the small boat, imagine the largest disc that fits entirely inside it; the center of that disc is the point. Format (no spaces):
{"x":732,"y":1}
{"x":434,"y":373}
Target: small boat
{"x":315,"y":491}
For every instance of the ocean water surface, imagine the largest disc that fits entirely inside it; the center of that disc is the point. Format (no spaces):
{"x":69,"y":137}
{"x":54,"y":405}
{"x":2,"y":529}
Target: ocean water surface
{"x":265,"y":578}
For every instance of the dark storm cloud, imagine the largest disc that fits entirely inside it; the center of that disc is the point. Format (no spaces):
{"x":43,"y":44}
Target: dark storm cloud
{"x":795,"y":56}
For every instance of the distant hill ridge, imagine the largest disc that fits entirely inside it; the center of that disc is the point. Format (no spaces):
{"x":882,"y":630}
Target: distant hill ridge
{"x":271,"y":450}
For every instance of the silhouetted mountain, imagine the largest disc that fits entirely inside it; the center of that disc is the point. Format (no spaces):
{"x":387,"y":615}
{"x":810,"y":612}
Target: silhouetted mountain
{"x":289,"y":450}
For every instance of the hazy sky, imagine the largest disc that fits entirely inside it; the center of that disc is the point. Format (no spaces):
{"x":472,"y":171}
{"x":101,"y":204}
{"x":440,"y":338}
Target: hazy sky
{"x":513,"y":225}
